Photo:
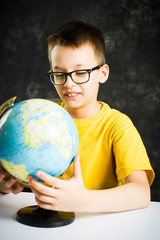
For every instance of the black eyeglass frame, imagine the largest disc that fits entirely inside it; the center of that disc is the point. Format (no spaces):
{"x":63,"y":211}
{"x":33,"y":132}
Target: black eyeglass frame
{"x":70,"y":74}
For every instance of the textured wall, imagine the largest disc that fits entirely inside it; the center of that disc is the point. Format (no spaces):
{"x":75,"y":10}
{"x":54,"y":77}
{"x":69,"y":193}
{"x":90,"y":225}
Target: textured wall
{"x":131,"y":31}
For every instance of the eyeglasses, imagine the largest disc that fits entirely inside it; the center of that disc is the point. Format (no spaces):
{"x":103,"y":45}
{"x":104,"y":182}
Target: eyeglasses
{"x":78,"y":76}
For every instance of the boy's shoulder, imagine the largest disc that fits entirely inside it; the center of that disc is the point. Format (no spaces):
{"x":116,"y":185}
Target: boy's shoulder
{"x":114,"y":113}
{"x":116,"y":120}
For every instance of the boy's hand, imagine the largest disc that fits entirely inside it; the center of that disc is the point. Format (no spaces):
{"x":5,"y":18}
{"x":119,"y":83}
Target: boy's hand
{"x":8,"y":184}
{"x":64,"y":195}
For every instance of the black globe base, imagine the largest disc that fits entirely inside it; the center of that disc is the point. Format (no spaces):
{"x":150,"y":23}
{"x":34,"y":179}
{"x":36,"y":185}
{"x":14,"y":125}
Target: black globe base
{"x":39,"y":217}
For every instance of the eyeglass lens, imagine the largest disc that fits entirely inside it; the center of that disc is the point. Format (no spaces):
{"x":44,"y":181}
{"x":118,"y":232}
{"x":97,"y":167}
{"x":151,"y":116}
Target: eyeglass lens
{"x":77,"y":77}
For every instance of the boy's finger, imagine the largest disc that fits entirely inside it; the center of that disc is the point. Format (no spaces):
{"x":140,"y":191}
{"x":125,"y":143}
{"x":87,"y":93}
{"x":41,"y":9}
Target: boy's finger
{"x":16,"y":189}
{"x":2,"y":176}
{"x":52,"y":181}
{"x":10,"y":182}
{"x":39,"y":188}
{"x":77,"y":167}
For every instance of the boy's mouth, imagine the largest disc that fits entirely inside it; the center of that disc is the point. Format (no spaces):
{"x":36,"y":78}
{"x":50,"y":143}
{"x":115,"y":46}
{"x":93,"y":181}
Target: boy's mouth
{"x":72,"y":94}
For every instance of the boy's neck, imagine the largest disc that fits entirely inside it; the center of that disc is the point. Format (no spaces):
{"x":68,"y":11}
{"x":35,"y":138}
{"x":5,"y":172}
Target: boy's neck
{"x":85,"y":112}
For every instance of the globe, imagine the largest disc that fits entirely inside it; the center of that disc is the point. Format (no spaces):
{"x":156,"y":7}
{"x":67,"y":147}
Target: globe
{"x":37,"y":134}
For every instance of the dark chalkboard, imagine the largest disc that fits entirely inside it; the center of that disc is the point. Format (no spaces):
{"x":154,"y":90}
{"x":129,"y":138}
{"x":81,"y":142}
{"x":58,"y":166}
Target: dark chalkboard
{"x":131,"y":32}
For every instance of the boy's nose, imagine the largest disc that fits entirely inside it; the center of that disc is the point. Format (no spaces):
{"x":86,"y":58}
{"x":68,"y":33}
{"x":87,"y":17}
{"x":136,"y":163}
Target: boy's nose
{"x":69,"y":82}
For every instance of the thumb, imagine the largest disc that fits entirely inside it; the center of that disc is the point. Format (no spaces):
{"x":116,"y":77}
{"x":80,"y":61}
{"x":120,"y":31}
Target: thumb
{"x":77,"y":168}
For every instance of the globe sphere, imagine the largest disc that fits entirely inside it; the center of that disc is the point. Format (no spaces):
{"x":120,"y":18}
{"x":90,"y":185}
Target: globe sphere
{"x":37,"y":134}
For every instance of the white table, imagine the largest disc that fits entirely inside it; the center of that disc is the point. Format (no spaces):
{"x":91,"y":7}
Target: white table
{"x":141,"y":224}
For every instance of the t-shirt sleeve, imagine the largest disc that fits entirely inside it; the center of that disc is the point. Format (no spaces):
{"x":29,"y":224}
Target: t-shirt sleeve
{"x":129,"y":151}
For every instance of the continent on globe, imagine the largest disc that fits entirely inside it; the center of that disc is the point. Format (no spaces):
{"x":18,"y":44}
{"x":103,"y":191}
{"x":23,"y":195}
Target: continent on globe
{"x":37,"y":134}
{"x":18,"y":170}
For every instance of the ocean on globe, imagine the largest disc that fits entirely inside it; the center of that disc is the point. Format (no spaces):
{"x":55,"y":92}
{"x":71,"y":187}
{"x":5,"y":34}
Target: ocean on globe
{"x":37,"y":134}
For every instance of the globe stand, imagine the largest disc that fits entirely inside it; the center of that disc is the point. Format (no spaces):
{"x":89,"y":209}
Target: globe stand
{"x":39,"y":217}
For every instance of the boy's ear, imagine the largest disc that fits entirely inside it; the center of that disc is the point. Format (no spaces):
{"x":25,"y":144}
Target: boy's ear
{"x":104,"y":73}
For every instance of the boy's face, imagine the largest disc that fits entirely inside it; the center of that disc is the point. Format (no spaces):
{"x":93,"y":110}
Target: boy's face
{"x":67,"y":59}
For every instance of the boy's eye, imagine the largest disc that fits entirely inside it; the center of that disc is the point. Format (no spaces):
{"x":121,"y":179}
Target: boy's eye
{"x":59,"y":75}
{"x":81,"y":73}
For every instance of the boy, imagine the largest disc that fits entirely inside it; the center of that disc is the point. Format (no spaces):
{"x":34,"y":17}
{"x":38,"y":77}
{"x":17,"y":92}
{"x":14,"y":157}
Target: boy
{"x":111,"y":172}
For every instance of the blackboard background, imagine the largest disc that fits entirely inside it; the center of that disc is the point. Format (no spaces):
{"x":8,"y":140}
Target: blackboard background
{"x":131,"y":32}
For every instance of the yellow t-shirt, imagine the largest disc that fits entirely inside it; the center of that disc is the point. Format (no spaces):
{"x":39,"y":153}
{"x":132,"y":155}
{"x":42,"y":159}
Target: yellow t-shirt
{"x":110,"y":149}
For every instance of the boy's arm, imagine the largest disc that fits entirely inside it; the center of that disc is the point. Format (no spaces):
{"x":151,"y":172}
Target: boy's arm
{"x":73,"y":196}
{"x":134,"y":194}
